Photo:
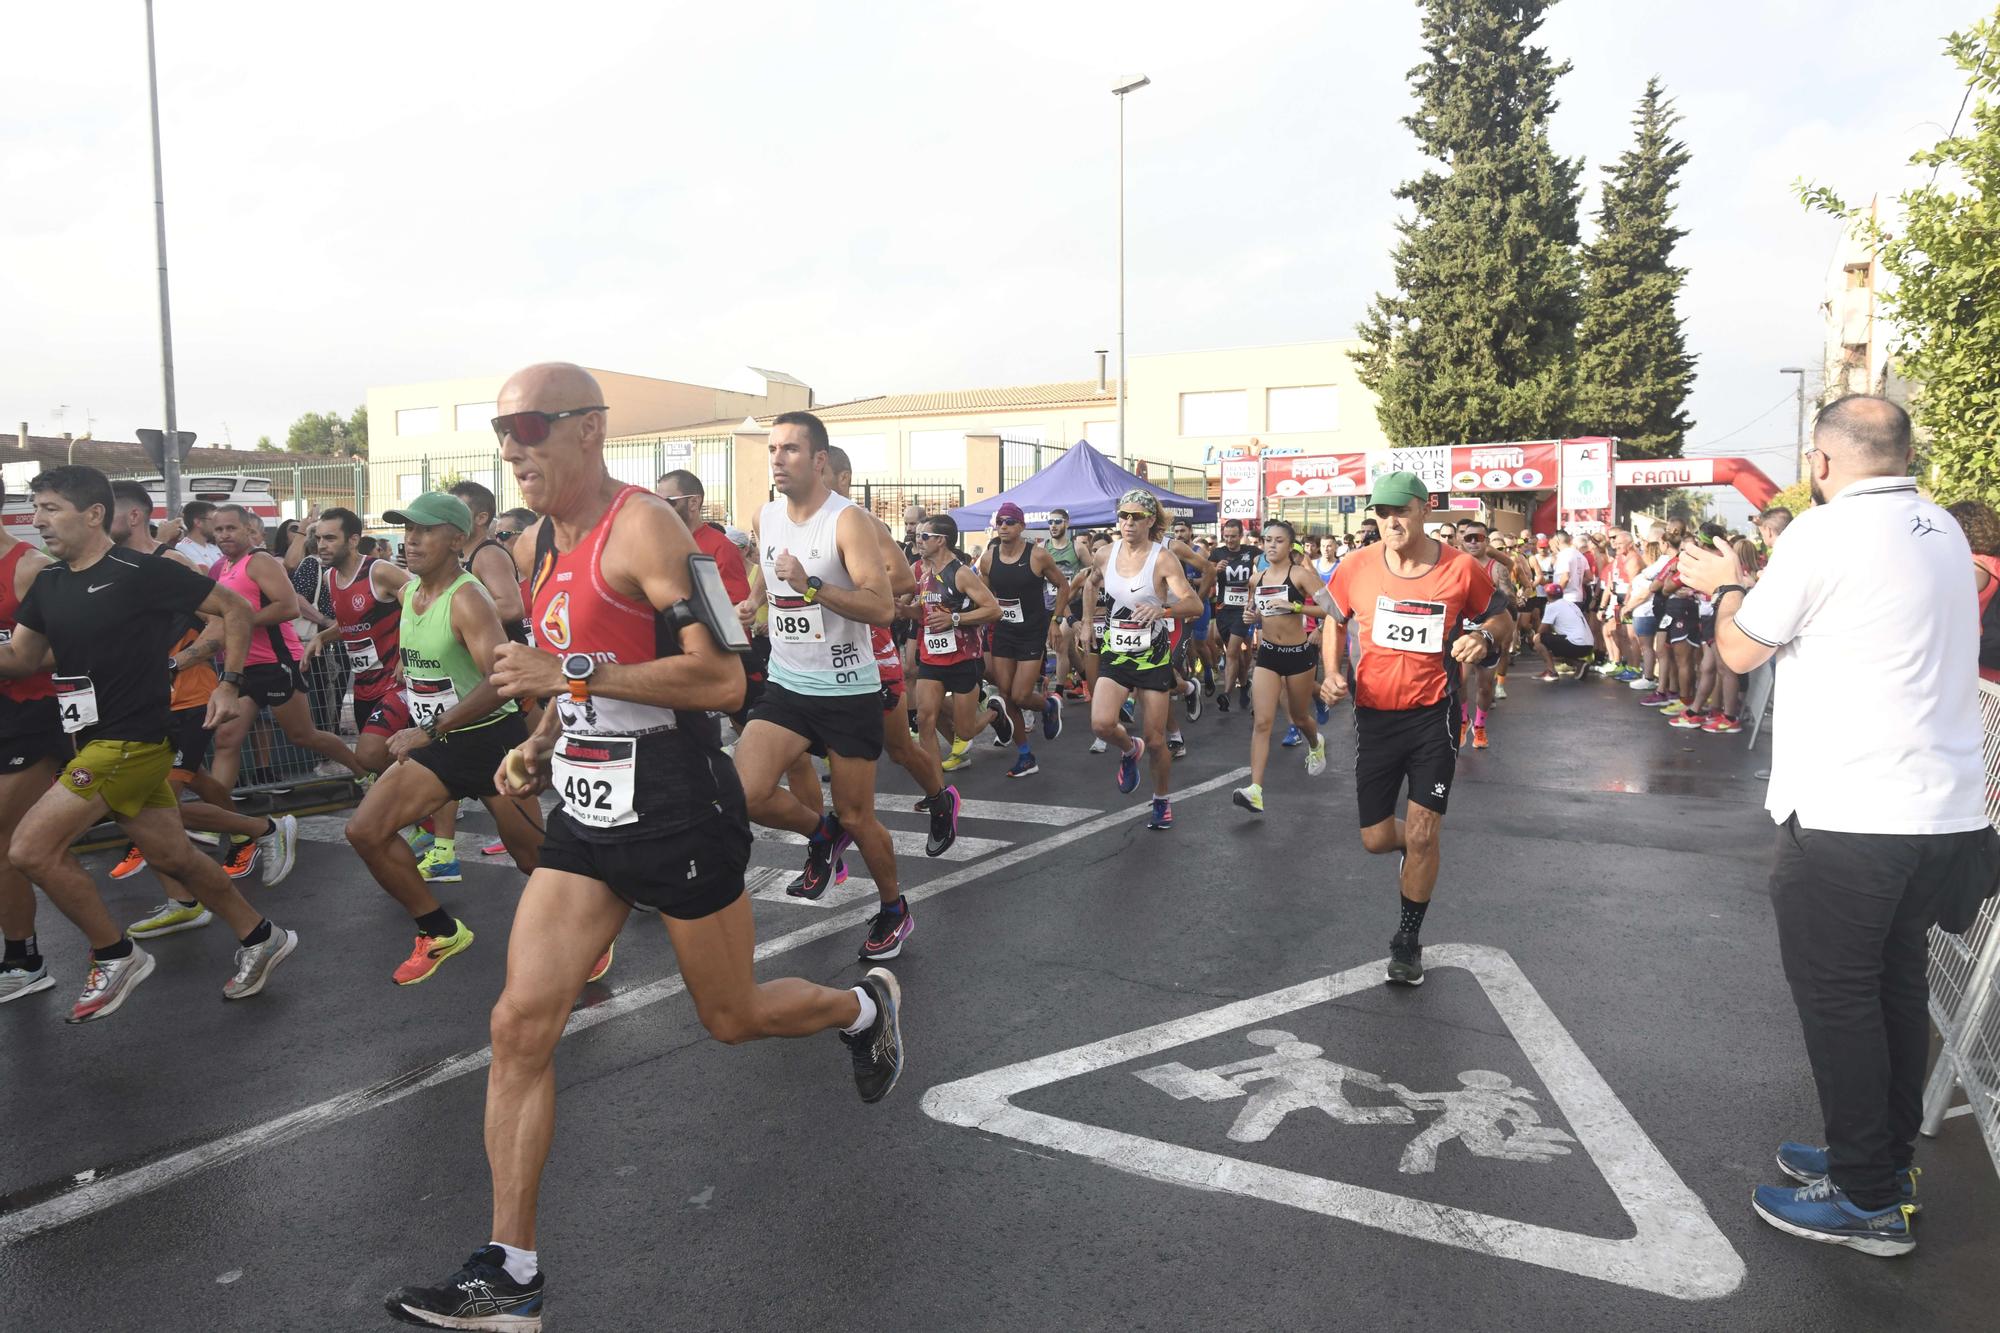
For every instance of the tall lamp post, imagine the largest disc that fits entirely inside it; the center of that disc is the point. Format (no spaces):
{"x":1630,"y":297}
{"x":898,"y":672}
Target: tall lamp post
{"x":170,"y":458}
{"x":1126,"y":85}
{"x":1800,"y":371}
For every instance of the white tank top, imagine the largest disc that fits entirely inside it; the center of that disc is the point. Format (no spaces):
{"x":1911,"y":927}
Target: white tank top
{"x":813,"y":650}
{"x":1129,"y":594}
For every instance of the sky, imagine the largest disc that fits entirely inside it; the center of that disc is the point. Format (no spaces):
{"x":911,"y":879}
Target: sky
{"x":875,"y":197}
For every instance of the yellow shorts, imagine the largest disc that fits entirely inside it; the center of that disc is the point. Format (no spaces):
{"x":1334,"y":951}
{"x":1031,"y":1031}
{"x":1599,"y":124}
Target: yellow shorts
{"x":129,"y":775}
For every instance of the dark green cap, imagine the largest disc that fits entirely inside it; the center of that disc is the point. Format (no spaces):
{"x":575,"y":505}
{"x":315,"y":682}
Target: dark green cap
{"x":431,"y":510}
{"x":1398,"y":489}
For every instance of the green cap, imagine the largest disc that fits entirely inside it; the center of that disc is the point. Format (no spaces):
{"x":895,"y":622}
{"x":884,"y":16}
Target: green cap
{"x":1398,"y":489}
{"x":431,"y":510}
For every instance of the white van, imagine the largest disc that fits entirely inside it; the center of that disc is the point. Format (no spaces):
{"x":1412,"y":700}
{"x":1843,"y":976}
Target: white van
{"x":253,"y":493}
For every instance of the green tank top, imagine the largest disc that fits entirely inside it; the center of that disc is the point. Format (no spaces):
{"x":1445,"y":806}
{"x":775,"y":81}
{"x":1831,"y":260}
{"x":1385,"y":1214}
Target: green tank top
{"x":1065,"y":556}
{"x":438,"y":670}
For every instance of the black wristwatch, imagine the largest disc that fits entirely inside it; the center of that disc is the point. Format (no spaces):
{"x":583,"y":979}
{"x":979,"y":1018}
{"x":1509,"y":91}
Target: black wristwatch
{"x":813,"y":585}
{"x":231,"y":678}
{"x":1716,"y":596}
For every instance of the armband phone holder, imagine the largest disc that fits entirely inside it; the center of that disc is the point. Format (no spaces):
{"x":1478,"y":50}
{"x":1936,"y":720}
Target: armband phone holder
{"x":711,"y":605}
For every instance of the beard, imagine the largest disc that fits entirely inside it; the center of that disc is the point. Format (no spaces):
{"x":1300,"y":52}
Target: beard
{"x":1818,"y":496}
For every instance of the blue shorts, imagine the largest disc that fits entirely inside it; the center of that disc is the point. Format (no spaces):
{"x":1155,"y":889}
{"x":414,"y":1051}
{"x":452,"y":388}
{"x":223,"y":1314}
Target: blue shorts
{"x":1645,"y":625}
{"x":1198,"y":629}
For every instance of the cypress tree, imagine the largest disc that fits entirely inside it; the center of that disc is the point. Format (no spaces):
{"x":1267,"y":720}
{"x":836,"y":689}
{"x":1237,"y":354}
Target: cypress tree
{"x":1477,"y":342}
{"x":1633,"y":366}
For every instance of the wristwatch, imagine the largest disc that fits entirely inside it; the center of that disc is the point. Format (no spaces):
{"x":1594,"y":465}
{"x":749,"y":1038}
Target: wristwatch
{"x":234,"y":679}
{"x":813,"y":586}
{"x":577,"y":669}
{"x":1729,"y":587}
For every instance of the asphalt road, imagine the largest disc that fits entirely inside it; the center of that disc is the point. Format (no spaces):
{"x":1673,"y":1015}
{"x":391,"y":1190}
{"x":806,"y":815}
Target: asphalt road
{"x":1561,"y":1129}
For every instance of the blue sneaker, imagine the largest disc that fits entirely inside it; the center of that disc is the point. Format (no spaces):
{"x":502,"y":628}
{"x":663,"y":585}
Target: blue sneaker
{"x":1820,"y":1212}
{"x":420,"y":840}
{"x":1125,"y":713}
{"x":1321,"y":712}
{"x":1128,"y":767}
{"x":1163,"y":814}
{"x":1051,"y":716}
{"x":1024,"y":765}
{"x":1807,"y":1165}
{"x":1293,"y":737}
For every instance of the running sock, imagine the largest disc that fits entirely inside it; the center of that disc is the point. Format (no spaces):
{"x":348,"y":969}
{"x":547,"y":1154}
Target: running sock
{"x":180,"y":902}
{"x":446,"y":847}
{"x":259,"y":935}
{"x":1024,"y":750}
{"x":113,"y":952}
{"x":896,"y":908}
{"x":270,"y":827}
{"x":521,"y":1265}
{"x":437,"y":924}
{"x":1479,"y":717}
{"x":867,"y":1018}
{"x":1413,"y":916}
{"x":1131,"y":748}
{"x":22,"y":954}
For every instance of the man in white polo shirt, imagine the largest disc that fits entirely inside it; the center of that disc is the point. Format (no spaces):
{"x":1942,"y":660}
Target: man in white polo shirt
{"x":1878,"y":825}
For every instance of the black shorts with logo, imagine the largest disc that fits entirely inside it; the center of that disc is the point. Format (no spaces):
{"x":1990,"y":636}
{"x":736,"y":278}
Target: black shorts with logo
{"x":1229,"y":623}
{"x":271,"y":683}
{"x":1392,"y":746}
{"x":30,"y":732}
{"x":1125,"y":672}
{"x":1680,"y":620}
{"x":1295,"y":660}
{"x":849,"y":725}
{"x":687,"y":875}
{"x":465,"y":761}
{"x":189,"y":736}
{"x":956,"y":677}
{"x":1021,"y":643}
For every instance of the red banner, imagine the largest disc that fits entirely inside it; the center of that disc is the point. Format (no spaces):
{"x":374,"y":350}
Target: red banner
{"x":1482,"y":468}
{"x":1312,"y":477}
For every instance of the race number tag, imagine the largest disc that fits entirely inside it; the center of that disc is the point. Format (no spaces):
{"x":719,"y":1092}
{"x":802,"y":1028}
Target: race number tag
{"x":793,"y":621}
{"x":76,"y":702}
{"x":1098,"y":627}
{"x":1275,"y":600}
{"x":1048,"y":597}
{"x":361,"y":655}
{"x":1010,"y":611}
{"x":1236,"y":597}
{"x":594,"y":776}
{"x":429,"y":698}
{"x":1129,"y":637}
{"x":1408,"y":626}
{"x":941,"y":642}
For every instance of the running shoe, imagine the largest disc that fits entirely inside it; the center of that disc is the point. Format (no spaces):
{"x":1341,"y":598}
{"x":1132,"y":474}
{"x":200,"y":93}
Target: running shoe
{"x":129,"y":864}
{"x":1251,"y":798}
{"x":1052,"y":710}
{"x":242,"y":858}
{"x":18,"y":981}
{"x":494,"y":848}
{"x":1097,"y":746}
{"x":877,"y":1051}
{"x":999,"y":742}
{"x":1685,"y":721}
{"x":1176,"y":745}
{"x":1293,"y":736}
{"x":1321,"y":712}
{"x":1003,"y":726}
{"x":1193,"y":701}
{"x":1125,"y":713}
{"x":479,"y":1295}
{"x":1722,"y":724}
{"x":887,"y":932}
{"x":1243,"y":697}
{"x":1822,"y":1212}
{"x":1548,"y":676}
{"x":1222,"y":701}
{"x":1499,"y":689}
{"x":1162,"y":817}
{"x":256,"y":962}
{"x":603,"y":963}
{"x":1128,"y":767}
{"x":1406,"y":960}
{"x":280,"y":848}
{"x":1673,"y":708}
{"x":1808,"y":1165}
{"x":1565,"y":670}
{"x":429,"y":953}
{"x":1024,"y":765}
{"x":823,"y":849}
{"x":1479,"y":738}
{"x":1627,"y":674}
{"x":419,"y":838}
{"x":943,"y":810}
{"x":796,"y":889}
{"x":1207,"y":681}
{"x":170,"y":918}
{"x":438,"y":866}
{"x":1657,"y":699}
{"x":1645,"y":683}
{"x":1316,"y":758}
{"x":1605,"y":669}
{"x":110,"y":981}
{"x":1464,"y":730}
{"x":960,"y":757}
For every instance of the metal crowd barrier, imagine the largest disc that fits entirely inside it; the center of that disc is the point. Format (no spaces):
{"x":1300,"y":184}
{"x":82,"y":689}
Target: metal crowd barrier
{"x":1965,"y":986}
{"x":272,"y":764}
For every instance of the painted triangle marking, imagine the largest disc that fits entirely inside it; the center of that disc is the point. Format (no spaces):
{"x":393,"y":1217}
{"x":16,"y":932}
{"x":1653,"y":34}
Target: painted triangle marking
{"x":1677,"y":1249}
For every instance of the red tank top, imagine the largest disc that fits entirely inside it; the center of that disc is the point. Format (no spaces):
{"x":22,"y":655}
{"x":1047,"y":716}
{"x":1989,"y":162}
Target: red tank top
{"x":945,"y":647}
{"x":368,"y":631}
{"x":888,"y":659}
{"x":23,"y":688}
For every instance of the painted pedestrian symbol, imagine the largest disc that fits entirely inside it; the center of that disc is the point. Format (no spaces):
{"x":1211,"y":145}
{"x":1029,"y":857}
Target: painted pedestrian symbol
{"x":1488,"y":1115}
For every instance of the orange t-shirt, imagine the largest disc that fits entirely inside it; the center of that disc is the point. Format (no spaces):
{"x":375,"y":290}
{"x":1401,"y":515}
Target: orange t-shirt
{"x":1403,"y":626}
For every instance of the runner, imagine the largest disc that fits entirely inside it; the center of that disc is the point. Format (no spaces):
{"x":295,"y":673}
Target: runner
{"x":110,"y":618}
{"x":1183,"y":654}
{"x":492,"y":560}
{"x":1421,"y":611}
{"x":1483,"y":682}
{"x":1066,"y":635}
{"x":1143,"y":591}
{"x":1026,"y":582}
{"x":458,"y":729}
{"x":955,"y":602}
{"x":367,"y":596}
{"x":1285,"y":660}
{"x":1236,"y":569}
{"x":650,"y":802}
{"x":32,"y":749}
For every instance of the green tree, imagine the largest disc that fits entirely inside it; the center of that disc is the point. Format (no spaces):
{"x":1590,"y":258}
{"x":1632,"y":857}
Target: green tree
{"x":329,"y":433}
{"x":1945,"y":300}
{"x":264,"y":445}
{"x":1476,"y":342}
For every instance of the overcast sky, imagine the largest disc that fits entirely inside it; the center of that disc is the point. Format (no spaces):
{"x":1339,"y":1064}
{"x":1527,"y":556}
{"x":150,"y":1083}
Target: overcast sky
{"x":875,"y":197}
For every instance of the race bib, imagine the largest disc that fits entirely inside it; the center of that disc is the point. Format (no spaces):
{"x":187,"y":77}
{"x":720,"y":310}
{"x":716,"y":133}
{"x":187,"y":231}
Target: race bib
{"x":361,"y":655}
{"x":798,"y":623}
{"x":1275,"y":601}
{"x":1010,"y":611}
{"x":1048,"y":597}
{"x":1128,"y":637}
{"x":594,"y":776}
{"x":1408,"y":626}
{"x":1098,"y":626}
{"x":76,"y":702}
{"x":429,"y":698}
{"x":1236,"y":597}
{"x":941,"y":642}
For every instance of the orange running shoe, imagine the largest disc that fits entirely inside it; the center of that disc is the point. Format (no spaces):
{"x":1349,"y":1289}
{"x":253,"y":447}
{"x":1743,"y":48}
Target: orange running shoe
{"x":242,"y":859}
{"x":603,"y":964}
{"x":430,"y":952}
{"x":1479,"y":738}
{"x":131,"y":864}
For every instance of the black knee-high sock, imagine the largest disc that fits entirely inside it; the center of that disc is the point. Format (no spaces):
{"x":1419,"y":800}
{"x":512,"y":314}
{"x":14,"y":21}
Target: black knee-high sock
{"x":1413,"y":916}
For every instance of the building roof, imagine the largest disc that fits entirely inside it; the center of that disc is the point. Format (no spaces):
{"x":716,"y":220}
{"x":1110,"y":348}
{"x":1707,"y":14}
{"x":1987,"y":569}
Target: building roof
{"x":128,"y":458}
{"x":1064,"y":393}
{"x":780,"y":377}
{"x":693,"y":430}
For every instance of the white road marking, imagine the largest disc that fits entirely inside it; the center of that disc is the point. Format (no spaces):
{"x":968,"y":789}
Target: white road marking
{"x":1959,"y":1110}
{"x":1677,"y":1249}
{"x":768,"y":883}
{"x":907,"y":843}
{"x":1026,"y":812}
{"x":116,"y":1189}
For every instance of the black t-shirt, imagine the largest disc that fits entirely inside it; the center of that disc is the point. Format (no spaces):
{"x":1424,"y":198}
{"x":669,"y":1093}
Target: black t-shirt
{"x":116,"y":622}
{"x":1235,"y":569}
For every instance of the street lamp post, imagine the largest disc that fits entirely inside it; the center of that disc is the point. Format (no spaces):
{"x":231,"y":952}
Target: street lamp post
{"x":170,"y":456}
{"x":1800,"y":371}
{"x":1118,"y":90}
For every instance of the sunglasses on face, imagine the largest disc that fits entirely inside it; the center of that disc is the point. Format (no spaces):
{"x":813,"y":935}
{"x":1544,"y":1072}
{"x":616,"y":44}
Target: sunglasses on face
{"x":1136,"y":518}
{"x":505,"y":535}
{"x":931,"y":536}
{"x":532,"y":428}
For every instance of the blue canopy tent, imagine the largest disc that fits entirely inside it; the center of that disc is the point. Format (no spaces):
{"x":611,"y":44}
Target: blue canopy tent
{"x":1087,"y":484}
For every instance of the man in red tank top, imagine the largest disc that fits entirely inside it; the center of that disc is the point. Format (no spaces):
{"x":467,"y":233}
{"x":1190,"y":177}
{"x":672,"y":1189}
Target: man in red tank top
{"x":367,"y":610}
{"x":652,"y":815}
{"x":32,"y":745}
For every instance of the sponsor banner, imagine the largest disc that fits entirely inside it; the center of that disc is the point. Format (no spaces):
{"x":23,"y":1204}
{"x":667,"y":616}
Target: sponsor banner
{"x":1586,"y":485}
{"x":1467,"y":502}
{"x":1430,"y":462}
{"x":1484,"y":468}
{"x":1665,"y":472}
{"x":1239,"y":489}
{"x":1315,"y":476}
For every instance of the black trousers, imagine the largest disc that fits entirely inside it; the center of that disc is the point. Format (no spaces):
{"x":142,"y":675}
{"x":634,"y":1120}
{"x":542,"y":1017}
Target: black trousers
{"x":1853,"y":912}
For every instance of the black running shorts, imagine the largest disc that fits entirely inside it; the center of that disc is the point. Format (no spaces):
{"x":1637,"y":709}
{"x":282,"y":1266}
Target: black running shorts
{"x":1680,"y":620}
{"x":271,"y":683}
{"x":1394,"y":746}
{"x":849,"y":725}
{"x":189,"y":738}
{"x":1123,"y":672}
{"x":32,"y":732}
{"x":1021,"y":643}
{"x":465,"y":761}
{"x":956,"y":677}
{"x":1292,"y":660}
{"x":687,"y":875}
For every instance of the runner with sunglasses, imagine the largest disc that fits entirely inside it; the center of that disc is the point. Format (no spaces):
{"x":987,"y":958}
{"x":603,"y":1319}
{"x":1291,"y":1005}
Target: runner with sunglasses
{"x":1026,"y":582}
{"x":1144,"y":583}
{"x":955,"y":602}
{"x":1066,"y":631}
{"x":1285,"y":659}
{"x":1235,"y":571}
{"x":1422,"y":611}
{"x":652,"y":814}
{"x":1483,"y":682}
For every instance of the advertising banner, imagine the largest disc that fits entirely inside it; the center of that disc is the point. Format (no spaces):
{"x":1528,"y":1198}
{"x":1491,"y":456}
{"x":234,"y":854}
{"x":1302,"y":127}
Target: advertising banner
{"x":1483,"y":468}
{"x":1585,"y":502}
{"x":1314,"y":476}
{"x":1240,"y":499}
{"x":1665,"y":472}
{"x":1431,"y":462}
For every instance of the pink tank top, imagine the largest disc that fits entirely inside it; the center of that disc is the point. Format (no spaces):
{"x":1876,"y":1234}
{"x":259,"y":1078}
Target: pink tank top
{"x":265,"y":640}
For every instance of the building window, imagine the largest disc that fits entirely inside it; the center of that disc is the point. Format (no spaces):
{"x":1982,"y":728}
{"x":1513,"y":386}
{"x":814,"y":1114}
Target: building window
{"x":417,"y":421}
{"x":1224,"y":413}
{"x":937,"y":450}
{"x":1307,"y":407}
{"x":472,"y":416}
{"x":868,"y":453}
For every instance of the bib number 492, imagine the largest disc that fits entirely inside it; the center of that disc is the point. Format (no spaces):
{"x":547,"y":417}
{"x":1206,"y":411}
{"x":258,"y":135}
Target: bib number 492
{"x":584,"y":793}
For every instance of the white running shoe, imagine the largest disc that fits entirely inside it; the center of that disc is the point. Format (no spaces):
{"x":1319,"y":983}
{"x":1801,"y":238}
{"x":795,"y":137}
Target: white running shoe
{"x":1316,"y":758}
{"x":280,"y":848}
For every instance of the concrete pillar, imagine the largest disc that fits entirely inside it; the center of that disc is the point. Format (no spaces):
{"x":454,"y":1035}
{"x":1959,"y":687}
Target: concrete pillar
{"x":982,"y":468}
{"x":750,"y":472}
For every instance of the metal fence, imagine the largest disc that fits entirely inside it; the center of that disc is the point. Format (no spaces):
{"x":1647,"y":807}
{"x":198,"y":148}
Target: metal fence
{"x":1022,"y":459}
{"x":1179,"y":478}
{"x":887,"y":499}
{"x":1965,"y":985}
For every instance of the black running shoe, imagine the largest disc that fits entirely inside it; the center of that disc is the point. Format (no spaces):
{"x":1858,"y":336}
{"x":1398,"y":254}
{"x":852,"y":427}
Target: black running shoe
{"x":878,"y":1051}
{"x":943,"y":810}
{"x":479,"y":1295}
{"x":822,"y":850}
{"x":1406,"y":960}
{"x":1003,"y":726}
{"x":1193,"y":701}
{"x":887,"y":932}
{"x":1222,"y":701}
